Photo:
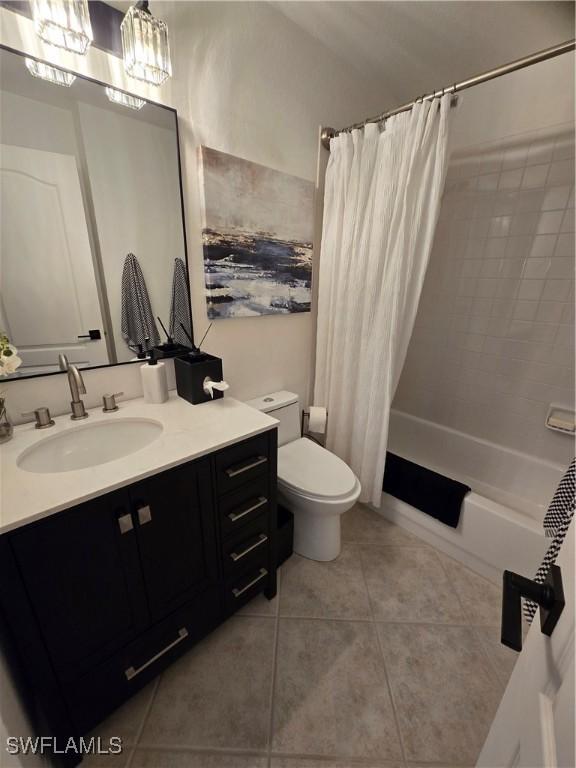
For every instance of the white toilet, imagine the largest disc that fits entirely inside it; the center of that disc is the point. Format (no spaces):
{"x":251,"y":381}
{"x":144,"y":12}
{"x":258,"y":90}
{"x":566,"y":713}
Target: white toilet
{"x":313,"y":483}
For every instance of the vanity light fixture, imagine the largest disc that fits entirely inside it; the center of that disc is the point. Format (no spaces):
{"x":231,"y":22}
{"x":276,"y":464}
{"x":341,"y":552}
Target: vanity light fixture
{"x":119,"y":97}
{"x":145,"y":45}
{"x":63,"y":23}
{"x":52,"y":74}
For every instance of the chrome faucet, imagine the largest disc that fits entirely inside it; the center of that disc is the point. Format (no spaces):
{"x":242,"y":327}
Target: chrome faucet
{"x":77,"y":388}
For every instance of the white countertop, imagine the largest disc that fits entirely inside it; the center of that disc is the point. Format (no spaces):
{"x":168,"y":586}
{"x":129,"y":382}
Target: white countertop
{"x":189,"y":431}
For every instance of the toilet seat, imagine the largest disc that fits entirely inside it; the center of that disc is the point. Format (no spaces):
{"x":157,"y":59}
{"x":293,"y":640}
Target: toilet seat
{"x":306,"y":468}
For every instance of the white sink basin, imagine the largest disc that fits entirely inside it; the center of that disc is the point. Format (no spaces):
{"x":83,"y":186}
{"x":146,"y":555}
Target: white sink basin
{"x":89,"y":445}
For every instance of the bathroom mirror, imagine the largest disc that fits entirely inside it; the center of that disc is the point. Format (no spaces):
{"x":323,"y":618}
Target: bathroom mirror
{"x":91,"y":220}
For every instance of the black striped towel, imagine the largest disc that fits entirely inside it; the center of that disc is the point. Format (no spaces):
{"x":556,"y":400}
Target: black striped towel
{"x":180,"y":305}
{"x":556,"y":523}
{"x":137,"y":323}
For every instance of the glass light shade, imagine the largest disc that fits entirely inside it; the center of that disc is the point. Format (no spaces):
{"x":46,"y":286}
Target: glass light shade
{"x":119,"y":97}
{"x":52,"y":74}
{"x":63,"y":23}
{"x":145,"y":45}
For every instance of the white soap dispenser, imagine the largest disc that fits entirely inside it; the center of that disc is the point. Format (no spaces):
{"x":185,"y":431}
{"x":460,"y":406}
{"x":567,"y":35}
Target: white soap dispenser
{"x":154,"y":381}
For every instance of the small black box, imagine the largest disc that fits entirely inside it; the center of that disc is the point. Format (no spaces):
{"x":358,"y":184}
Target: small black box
{"x":190,"y":374}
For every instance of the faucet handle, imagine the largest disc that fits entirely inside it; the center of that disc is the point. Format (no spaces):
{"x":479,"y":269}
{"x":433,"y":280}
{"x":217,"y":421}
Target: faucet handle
{"x":109,"y":402}
{"x":43,"y":418}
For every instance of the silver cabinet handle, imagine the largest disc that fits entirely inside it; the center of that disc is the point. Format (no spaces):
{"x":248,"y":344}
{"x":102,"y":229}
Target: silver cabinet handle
{"x":131,"y":672}
{"x":233,"y":516}
{"x":144,"y":515}
{"x":239,"y":555}
{"x":238,"y":592}
{"x":238,"y":469}
{"x":125,"y":523}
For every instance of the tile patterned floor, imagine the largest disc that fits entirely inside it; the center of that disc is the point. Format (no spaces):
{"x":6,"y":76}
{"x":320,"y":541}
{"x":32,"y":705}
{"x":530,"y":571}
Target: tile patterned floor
{"x":389,"y":657}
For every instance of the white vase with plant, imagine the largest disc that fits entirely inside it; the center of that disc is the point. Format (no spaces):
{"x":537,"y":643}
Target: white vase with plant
{"x":9,"y":360}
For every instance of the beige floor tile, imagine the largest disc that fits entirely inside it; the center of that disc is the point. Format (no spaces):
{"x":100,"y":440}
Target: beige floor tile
{"x":503,"y":659}
{"x":409,"y":584}
{"x":331,"y":691}
{"x":260,"y":606}
{"x":155,"y":758}
{"x":306,"y":762}
{"x":127,"y":720}
{"x":325,"y":590}
{"x":363,"y":524}
{"x":444,"y":690}
{"x":107,"y":761}
{"x":218,"y":694}
{"x":480,"y":598}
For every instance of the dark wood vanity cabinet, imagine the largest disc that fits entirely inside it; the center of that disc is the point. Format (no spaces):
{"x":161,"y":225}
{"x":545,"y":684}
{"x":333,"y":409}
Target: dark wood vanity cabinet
{"x":96,"y":600}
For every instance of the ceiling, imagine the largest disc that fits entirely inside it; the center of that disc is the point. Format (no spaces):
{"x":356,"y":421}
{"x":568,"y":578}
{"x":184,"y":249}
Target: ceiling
{"x":405,"y":49}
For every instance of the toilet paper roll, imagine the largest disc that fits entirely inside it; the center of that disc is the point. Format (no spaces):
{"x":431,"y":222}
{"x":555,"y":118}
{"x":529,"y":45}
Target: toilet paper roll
{"x":317,"y":420}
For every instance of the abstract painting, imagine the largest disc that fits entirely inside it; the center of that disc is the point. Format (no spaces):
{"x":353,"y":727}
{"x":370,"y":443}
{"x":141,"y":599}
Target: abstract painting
{"x":257,"y":237}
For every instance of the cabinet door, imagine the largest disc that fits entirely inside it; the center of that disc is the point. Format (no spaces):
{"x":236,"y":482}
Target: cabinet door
{"x":175,"y":529}
{"x":83,"y":577}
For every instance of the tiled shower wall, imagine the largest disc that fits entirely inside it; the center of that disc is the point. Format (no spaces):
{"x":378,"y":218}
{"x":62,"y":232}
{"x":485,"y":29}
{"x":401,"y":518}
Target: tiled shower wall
{"x":493,"y":344}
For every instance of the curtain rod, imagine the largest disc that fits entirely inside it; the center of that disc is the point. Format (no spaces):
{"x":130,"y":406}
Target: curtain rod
{"x":513,"y":66}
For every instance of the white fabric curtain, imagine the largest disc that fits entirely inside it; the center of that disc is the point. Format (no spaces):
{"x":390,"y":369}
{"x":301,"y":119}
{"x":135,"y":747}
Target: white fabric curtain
{"x":381,"y":203}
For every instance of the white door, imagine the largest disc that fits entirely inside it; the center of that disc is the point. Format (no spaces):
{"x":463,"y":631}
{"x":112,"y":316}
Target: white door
{"x":48,"y":292}
{"x":534,"y":725}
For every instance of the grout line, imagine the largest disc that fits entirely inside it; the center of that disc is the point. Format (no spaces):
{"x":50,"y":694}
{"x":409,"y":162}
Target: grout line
{"x":143,"y":721}
{"x":274,"y":670}
{"x":386,"y":676}
{"x":202,"y":750}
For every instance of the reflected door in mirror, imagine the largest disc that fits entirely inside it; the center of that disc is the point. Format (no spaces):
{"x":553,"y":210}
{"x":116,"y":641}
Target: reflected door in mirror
{"x":49,"y":296}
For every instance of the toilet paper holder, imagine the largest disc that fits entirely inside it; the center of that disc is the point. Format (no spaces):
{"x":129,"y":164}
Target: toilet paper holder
{"x":305,"y":433}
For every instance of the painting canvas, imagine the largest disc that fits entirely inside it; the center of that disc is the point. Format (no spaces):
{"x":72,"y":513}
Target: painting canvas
{"x":257,"y":237}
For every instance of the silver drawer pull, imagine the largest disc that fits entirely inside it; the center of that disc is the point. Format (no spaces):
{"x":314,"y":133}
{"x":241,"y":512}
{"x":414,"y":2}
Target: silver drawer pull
{"x":239,"y":515}
{"x":238,"y":469}
{"x":144,"y":515}
{"x":125,"y":523}
{"x":239,"y":555}
{"x":131,"y":672}
{"x":238,"y":592}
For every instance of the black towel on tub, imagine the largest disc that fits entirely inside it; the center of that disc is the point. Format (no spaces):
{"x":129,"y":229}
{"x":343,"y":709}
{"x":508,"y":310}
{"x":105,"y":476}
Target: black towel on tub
{"x":432,"y":493}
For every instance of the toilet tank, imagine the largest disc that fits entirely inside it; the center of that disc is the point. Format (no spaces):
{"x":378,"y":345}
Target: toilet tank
{"x":283,"y":406}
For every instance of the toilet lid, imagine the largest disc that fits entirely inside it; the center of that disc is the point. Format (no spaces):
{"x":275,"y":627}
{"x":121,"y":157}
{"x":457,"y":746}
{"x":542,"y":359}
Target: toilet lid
{"x":305,"y":466}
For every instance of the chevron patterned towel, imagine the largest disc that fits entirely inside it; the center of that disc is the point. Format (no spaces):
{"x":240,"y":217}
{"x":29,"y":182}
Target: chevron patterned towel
{"x":556,"y":524}
{"x":137,"y":322}
{"x":180,"y":305}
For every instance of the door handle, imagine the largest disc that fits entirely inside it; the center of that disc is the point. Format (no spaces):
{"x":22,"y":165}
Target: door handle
{"x":549,"y":596}
{"x":133,"y":672}
{"x":144,"y":514}
{"x":94,"y":335}
{"x":125,"y":522}
{"x":239,"y":469}
{"x":242,"y":512}
{"x":239,"y":555}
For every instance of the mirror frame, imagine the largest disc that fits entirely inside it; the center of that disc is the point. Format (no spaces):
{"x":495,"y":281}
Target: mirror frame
{"x":182,"y":211}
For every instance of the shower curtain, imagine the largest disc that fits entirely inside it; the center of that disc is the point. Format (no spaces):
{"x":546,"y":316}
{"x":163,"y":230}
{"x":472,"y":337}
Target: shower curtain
{"x":381,"y":203}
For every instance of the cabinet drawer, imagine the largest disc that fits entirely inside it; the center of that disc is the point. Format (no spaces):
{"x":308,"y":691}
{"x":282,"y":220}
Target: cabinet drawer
{"x":242,"y":552}
{"x":239,"y":591}
{"x":241,"y":507}
{"x":241,"y":463}
{"x":92,"y":697}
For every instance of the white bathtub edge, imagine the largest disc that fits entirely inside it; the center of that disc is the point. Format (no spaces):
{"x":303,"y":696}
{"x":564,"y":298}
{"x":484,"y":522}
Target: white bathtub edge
{"x":485,"y":546}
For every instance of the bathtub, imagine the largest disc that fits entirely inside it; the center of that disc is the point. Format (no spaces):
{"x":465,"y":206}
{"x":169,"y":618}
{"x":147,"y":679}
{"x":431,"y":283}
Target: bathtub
{"x":501,"y":520}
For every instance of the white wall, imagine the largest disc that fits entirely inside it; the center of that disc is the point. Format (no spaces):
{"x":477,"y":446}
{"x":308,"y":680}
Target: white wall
{"x":493,"y":344}
{"x":249,"y":82}
{"x":139,"y":212}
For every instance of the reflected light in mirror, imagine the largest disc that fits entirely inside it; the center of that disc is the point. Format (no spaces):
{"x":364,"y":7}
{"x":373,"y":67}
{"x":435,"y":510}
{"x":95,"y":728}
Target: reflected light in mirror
{"x":63,"y":23}
{"x":145,"y":45}
{"x":119,"y":97}
{"x":52,"y":74}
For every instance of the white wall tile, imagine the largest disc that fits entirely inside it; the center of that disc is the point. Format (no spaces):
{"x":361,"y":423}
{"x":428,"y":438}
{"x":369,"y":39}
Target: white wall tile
{"x":494,"y":342}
